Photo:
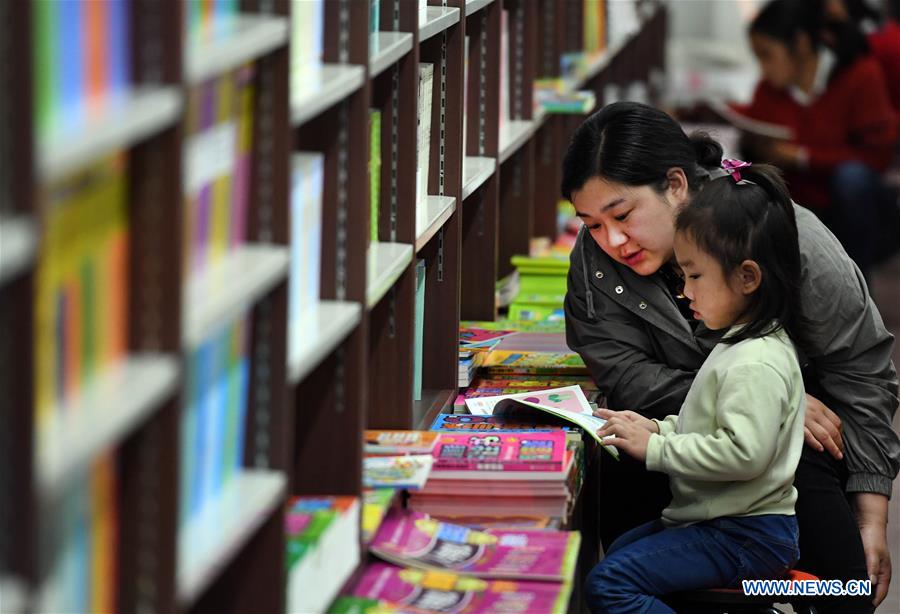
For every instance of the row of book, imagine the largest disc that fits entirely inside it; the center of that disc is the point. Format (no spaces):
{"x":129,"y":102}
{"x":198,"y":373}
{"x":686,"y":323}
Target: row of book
{"x":80,"y":543}
{"x":213,"y":425}
{"x":81,"y":60}
{"x":209,"y":19}
{"x":81,"y":292}
{"x":217,"y":154}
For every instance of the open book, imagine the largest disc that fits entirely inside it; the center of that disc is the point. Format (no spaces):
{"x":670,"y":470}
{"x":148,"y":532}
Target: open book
{"x":568,"y":403}
{"x":748,"y":124}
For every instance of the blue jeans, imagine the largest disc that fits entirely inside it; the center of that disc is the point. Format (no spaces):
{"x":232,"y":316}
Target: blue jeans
{"x":651,"y":560}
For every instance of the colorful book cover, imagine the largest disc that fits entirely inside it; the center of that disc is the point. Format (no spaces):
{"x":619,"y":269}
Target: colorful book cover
{"x":439,"y":591}
{"x":374,"y":169}
{"x":376,"y":503}
{"x":521,"y":326}
{"x":568,"y":403}
{"x":410,"y":472}
{"x":500,"y":452}
{"x":346,"y":604}
{"x":467,"y":423}
{"x":414,"y":540}
{"x":474,"y":337}
{"x":399,"y":442}
{"x":515,"y":361}
{"x":419,"y":331}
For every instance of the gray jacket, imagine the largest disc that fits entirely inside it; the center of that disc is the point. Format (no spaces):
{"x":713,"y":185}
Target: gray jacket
{"x":644,"y":354}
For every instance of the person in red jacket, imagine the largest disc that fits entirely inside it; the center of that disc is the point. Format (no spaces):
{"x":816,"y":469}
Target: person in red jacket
{"x":883,"y":32}
{"x":885,"y":44}
{"x":835,"y":102}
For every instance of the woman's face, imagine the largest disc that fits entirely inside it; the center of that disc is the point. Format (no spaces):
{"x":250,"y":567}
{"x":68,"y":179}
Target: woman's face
{"x":776,"y":61}
{"x":633,"y":225}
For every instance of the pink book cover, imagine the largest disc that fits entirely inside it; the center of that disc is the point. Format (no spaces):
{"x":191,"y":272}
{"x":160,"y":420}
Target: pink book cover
{"x":443,"y":592}
{"x":415,"y":540}
{"x":472,"y":337}
{"x":520,"y":452}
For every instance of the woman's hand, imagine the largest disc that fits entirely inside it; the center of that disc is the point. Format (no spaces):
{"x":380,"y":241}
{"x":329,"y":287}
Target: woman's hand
{"x":631,"y":432}
{"x":630,"y":416}
{"x":822,"y":428}
{"x":872,"y":516}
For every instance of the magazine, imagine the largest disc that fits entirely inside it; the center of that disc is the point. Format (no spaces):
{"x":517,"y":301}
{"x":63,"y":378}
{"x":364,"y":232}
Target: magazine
{"x":444,"y":592}
{"x":409,"y":472}
{"x":412,"y":539}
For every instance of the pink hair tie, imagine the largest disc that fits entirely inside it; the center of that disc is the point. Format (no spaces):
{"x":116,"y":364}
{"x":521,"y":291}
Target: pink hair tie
{"x":732,"y":167}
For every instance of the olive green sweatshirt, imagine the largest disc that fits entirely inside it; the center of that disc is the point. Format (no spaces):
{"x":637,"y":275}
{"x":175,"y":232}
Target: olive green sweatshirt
{"x":734,"y":446}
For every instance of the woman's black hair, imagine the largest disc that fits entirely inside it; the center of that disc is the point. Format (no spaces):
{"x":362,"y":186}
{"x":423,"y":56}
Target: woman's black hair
{"x":752,"y":220}
{"x":784,"y":20}
{"x":636,"y":145}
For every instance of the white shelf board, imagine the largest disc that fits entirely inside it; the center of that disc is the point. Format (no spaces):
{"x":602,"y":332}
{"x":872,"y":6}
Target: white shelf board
{"x":136,"y":115}
{"x":334,"y":83}
{"x":250,"y":37}
{"x":104,"y":412}
{"x":13,"y":595}
{"x":323,"y":328}
{"x":18,"y":242}
{"x":439,"y":19}
{"x":385,"y":263}
{"x":391,"y":46}
{"x":221,"y":294}
{"x":473,"y":6}
{"x":431,"y":215}
{"x":514,"y":134}
{"x":211,"y":540}
{"x":476,"y":170}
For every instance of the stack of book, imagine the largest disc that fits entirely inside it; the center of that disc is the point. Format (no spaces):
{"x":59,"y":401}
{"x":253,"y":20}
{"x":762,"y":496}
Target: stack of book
{"x":474,"y":346}
{"x":322,"y":549}
{"x":542,"y":287}
{"x":400,"y":460}
{"x":498,"y":473}
{"x":437,"y":566}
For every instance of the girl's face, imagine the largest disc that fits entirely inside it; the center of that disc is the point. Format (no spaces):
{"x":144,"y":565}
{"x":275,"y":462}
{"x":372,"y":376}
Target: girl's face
{"x":633,"y":225}
{"x":719,"y":301}
{"x":776,"y":62}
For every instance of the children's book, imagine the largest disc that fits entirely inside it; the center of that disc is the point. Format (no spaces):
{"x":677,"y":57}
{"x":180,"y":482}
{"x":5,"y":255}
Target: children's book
{"x":534,"y":362}
{"x":415,"y":540}
{"x":376,"y":503}
{"x":568,"y":403}
{"x":399,"y":442}
{"x":469,"y":423}
{"x":485,"y":456}
{"x":438,"y":591}
{"x":409,"y":472}
{"x":475,"y":337}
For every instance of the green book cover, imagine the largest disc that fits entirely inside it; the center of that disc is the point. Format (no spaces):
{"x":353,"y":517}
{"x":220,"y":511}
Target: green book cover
{"x":374,"y":170}
{"x":45,"y":35}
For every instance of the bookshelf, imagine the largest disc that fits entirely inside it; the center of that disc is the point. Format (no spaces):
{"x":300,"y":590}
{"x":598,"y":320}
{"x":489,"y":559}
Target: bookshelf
{"x":491,"y":185}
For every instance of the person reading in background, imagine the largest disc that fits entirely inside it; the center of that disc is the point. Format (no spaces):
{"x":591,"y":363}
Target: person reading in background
{"x":628,"y":170}
{"x":732,"y":450}
{"x":835,"y":101}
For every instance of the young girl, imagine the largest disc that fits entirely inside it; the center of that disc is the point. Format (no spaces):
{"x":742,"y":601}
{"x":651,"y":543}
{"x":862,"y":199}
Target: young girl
{"x":732,"y":451}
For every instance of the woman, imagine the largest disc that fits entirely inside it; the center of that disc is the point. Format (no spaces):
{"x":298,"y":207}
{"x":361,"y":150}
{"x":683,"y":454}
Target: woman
{"x":834,"y":99}
{"x":628,"y":169}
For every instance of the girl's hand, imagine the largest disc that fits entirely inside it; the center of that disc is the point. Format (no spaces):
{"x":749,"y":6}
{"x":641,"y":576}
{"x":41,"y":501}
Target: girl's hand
{"x":630,"y":437}
{"x":633,"y":417}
